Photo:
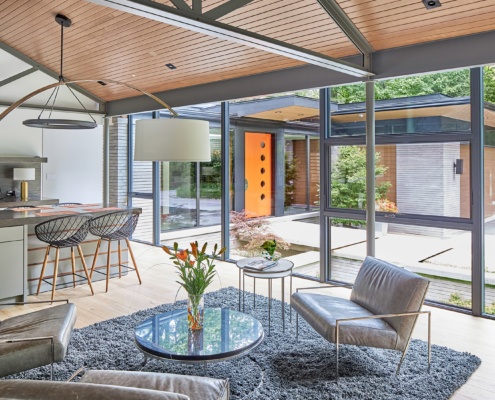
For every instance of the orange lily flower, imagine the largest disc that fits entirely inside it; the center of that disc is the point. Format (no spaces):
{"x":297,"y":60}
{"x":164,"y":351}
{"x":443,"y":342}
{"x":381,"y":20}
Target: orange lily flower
{"x":182,"y":255}
{"x":194,"y":250}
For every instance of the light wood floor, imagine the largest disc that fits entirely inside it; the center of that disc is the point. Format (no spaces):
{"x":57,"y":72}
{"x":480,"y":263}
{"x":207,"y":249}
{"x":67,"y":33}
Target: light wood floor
{"x":454,"y":330}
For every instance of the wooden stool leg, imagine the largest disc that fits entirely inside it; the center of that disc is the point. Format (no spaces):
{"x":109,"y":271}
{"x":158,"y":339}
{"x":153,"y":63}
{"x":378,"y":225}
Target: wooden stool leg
{"x":83,"y":261}
{"x":133,"y":259}
{"x":95,"y":258}
{"x":109,"y":253}
{"x":55,"y":272}
{"x":47,"y":253}
{"x":73,"y":261}
{"x":120,"y":261}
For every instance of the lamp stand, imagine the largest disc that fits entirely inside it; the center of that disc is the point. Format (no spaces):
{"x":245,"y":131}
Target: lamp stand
{"x":24,"y":191}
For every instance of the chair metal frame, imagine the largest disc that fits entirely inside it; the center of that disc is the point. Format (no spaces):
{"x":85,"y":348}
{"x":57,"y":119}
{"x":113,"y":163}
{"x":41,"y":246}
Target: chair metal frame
{"x":63,"y":239}
{"x":119,"y":225}
{"x":51,"y":338}
{"x":338,"y":322}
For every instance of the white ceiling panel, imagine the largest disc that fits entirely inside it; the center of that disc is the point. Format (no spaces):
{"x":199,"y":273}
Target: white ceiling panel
{"x":10,"y":65}
{"x":14,"y":91}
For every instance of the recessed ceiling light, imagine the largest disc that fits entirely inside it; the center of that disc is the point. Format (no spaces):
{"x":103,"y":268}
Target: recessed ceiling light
{"x":170,"y":66}
{"x":429,"y":4}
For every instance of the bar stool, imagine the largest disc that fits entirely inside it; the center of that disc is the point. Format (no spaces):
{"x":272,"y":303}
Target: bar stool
{"x":62,"y":232}
{"x":118,"y":225}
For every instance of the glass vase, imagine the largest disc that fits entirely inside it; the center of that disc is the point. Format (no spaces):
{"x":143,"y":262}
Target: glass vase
{"x":195,"y":311}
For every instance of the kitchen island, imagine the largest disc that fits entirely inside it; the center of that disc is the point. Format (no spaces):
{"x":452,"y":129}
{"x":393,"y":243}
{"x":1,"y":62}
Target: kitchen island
{"x":11,"y":201}
{"x":22,"y":253}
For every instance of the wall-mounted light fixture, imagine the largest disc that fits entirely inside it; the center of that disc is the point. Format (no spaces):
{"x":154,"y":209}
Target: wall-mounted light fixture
{"x":429,"y":4}
{"x":459,"y":166}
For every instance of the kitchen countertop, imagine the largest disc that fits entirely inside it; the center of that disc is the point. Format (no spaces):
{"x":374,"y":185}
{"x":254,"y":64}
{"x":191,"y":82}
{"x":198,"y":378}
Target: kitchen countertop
{"x":27,"y":217}
{"x":11,"y":201}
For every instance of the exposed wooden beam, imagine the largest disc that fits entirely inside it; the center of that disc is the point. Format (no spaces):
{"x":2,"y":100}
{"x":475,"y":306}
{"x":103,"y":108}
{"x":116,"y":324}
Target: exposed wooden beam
{"x":189,"y":20}
{"x":225,"y":8}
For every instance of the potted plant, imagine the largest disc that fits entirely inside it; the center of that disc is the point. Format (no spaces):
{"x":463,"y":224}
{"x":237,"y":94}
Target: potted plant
{"x":269,"y":246}
{"x":196,"y":270}
{"x":384,"y":205}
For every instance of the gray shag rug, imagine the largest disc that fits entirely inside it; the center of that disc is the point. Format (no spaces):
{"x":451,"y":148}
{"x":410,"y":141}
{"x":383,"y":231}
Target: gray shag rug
{"x":280,"y":368}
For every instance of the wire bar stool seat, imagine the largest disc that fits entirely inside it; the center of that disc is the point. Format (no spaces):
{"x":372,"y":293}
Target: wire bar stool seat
{"x":117,"y":225}
{"x":59,"y":233}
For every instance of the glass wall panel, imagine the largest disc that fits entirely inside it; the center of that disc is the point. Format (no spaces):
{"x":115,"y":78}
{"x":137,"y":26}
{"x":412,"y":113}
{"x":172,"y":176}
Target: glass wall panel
{"x":442,"y":255}
{"x":144,"y":228}
{"x":142,"y":179}
{"x":489,"y":188}
{"x":348,"y":248}
{"x":418,"y":104}
{"x":190,"y":191}
{"x":274,"y":194}
{"x":210,"y":180}
{"x":178,"y":195}
{"x":424,"y":179}
{"x":348,"y":178}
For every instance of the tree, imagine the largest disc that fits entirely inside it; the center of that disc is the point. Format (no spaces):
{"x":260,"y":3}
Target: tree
{"x":349,"y":180}
{"x":291,"y":172}
{"x":452,"y":84}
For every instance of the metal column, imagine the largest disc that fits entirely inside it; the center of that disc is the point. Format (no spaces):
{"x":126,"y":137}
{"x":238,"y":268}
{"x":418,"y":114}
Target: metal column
{"x":370,"y":168}
{"x":156,"y":187}
{"x":477,"y":193}
{"x":106,"y":161}
{"x":325,"y":237}
{"x":225,"y":178}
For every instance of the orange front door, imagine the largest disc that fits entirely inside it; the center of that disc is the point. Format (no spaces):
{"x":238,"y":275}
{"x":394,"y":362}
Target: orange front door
{"x":258,"y":173}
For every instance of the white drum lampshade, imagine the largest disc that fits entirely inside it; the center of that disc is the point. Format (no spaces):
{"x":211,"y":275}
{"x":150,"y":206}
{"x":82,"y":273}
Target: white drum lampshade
{"x":172,"y":139}
{"x":24,"y":175}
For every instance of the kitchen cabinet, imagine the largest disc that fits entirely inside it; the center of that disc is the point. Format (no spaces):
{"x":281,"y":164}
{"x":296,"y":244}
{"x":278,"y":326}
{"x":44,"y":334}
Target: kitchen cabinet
{"x":12,"y":263}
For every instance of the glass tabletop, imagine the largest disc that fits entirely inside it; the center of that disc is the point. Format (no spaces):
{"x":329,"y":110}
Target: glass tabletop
{"x":226,"y":334}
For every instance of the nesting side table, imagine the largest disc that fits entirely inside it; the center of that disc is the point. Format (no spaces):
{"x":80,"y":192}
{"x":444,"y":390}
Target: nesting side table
{"x":281,"y":270}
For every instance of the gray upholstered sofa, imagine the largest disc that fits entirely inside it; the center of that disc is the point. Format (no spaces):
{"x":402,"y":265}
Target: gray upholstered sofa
{"x":128,"y":385}
{"x":381,"y":312}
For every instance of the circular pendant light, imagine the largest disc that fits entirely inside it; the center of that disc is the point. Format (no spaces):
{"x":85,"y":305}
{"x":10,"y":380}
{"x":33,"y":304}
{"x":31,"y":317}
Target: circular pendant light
{"x":49,"y":123}
{"x":53,"y":123}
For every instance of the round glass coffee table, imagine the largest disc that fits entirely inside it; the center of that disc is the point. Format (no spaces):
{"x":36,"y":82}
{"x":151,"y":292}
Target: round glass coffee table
{"x":226,"y":334}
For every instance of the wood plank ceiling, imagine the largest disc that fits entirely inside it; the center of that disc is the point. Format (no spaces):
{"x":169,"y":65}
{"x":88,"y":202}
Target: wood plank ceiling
{"x":107,"y":43}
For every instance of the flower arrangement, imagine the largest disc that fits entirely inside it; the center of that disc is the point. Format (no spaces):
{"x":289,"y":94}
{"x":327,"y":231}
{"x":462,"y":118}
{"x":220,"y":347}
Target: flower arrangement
{"x":385,"y":205}
{"x":196,"y":269}
{"x":269,"y":246}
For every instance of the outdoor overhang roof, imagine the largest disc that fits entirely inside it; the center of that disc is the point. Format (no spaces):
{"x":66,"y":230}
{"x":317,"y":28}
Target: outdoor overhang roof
{"x":280,"y":108}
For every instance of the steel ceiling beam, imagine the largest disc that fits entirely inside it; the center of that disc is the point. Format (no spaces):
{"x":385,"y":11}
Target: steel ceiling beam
{"x":181,"y":5}
{"x":15,"y":77}
{"x":191,"y":21}
{"x":50,"y":73}
{"x":347,"y":26}
{"x":225,"y":8}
